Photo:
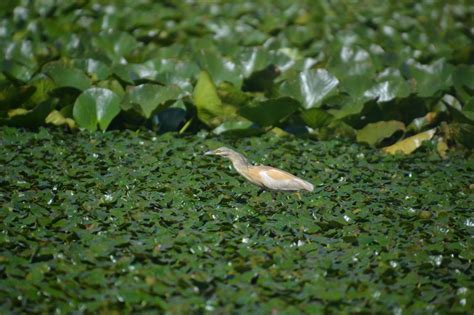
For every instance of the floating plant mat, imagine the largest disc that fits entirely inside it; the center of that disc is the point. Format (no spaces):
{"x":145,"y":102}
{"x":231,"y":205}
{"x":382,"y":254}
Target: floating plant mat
{"x":125,"y":222}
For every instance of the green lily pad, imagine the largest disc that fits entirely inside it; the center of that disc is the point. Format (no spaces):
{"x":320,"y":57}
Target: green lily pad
{"x":175,"y":72}
{"x":352,"y":61}
{"x":463,"y":78}
{"x":151,"y":96}
{"x":468,"y":109}
{"x":388,"y":90}
{"x":113,"y":85}
{"x":22,"y":52}
{"x":96,"y":69}
{"x":316,"y":118}
{"x":463,"y":75}
{"x":431,"y":79}
{"x":356,"y":85}
{"x":96,"y":106}
{"x":252,"y":59}
{"x":310,"y":87}
{"x":16,"y":71}
{"x":349,"y":106}
{"x":238,"y":128}
{"x":220,"y":69}
{"x":116,"y":45}
{"x":64,"y":76}
{"x":125,"y":73}
{"x":373,"y":133}
{"x":270,"y":112}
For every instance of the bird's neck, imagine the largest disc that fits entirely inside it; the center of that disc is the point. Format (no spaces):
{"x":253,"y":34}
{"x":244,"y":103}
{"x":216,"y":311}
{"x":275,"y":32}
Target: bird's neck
{"x":239,"y":162}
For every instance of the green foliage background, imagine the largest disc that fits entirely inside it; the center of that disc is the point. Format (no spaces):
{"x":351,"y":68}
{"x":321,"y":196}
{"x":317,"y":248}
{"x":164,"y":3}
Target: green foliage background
{"x":241,"y":67}
{"x":137,"y":221}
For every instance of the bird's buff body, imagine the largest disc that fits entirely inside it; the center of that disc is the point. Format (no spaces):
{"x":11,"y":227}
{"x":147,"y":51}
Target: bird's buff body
{"x":265,"y":177}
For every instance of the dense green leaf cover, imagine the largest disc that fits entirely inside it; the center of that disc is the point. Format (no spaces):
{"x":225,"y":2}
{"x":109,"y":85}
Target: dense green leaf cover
{"x":359,"y":62}
{"x":131,"y":222}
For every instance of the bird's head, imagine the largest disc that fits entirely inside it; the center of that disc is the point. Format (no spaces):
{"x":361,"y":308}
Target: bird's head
{"x":222,"y":151}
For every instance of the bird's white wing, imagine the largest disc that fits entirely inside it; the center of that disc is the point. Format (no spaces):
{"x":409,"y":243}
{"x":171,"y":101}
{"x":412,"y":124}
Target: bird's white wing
{"x":280,"y":180}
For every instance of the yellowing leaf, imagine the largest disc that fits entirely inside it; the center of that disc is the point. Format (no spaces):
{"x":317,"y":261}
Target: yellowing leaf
{"x":279,"y":132}
{"x":410,"y":144}
{"x":16,"y":112}
{"x":57,"y":119}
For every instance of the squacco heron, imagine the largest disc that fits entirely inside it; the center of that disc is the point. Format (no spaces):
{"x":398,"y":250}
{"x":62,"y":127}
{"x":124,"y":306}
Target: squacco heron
{"x":266,"y":177}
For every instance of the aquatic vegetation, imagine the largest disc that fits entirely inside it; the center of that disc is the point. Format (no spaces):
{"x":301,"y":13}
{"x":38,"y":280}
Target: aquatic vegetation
{"x":130,"y":221}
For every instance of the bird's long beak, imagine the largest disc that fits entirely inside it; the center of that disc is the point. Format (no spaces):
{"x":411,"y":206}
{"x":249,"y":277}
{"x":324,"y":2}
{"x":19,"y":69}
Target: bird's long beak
{"x":210,"y":152}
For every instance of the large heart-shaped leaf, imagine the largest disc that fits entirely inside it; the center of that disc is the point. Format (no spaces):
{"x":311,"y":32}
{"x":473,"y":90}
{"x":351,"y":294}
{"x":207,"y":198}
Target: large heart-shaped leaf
{"x":388,"y":90}
{"x":268,"y":113}
{"x":430,"y":79}
{"x":463,"y":80}
{"x":352,"y":61}
{"x":356,"y":85}
{"x":253,"y":59}
{"x":150,"y":96}
{"x":64,"y":76}
{"x":176,"y":72}
{"x":16,"y":70}
{"x":310,"y":87}
{"x":348,"y":106}
{"x":240,"y":128}
{"x":96,"y":106}
{"x":220,"y":69}
{"x":373,"y":133}
{"x":468,"y":109}
{"x":464,"y":76}
{"x":21,"y":52}
{"x":115,"y":45}
{"x":316,"y":117}
{"x":95,"y":68}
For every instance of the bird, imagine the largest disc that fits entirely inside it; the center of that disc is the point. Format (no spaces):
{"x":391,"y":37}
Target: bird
{"x":266,"y":177}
